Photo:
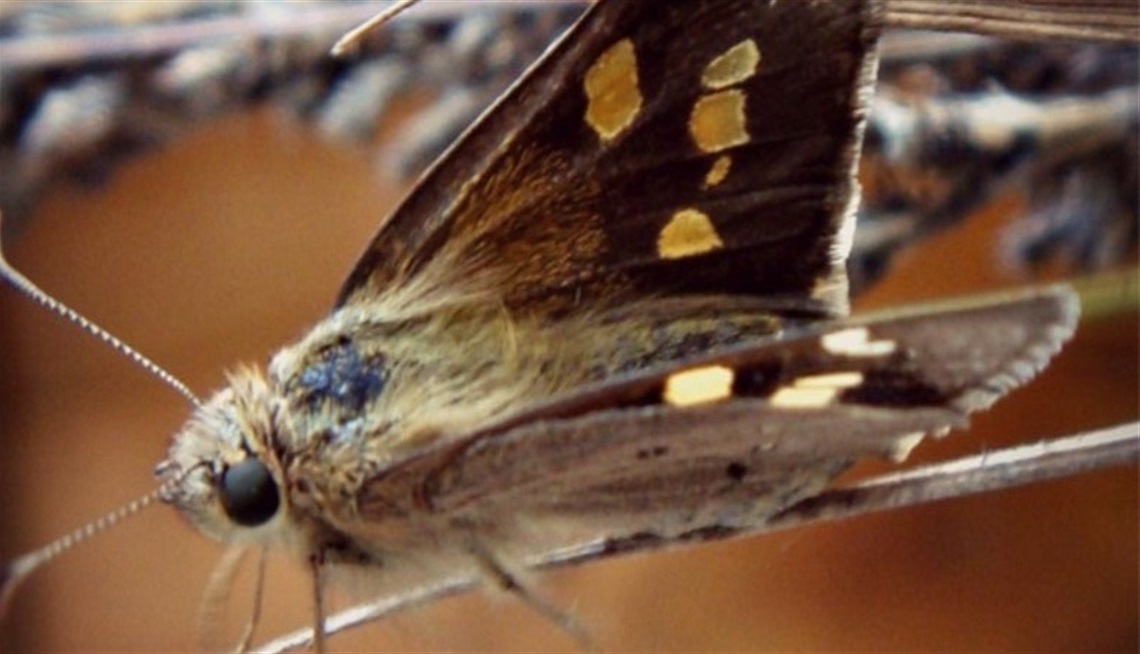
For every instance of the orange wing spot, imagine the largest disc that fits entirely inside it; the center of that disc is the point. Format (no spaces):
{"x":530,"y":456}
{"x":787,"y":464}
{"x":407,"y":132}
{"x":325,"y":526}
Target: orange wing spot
{"x":612,"y":91}
{"x":717,"y":122}
{"x":733,"y":66}
{"x":719,"y":171}
{"x":689,"y":232}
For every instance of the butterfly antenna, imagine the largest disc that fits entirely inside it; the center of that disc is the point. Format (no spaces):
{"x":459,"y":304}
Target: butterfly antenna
{"x":40,"y":297}
{"x":18,"y":569}
{"x":349,"y":41}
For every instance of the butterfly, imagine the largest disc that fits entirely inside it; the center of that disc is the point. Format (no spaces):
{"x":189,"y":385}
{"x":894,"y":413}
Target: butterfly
{"x":615,"y":307}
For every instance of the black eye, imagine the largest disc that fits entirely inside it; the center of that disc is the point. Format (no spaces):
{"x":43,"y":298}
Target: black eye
{"x":249,"y":494}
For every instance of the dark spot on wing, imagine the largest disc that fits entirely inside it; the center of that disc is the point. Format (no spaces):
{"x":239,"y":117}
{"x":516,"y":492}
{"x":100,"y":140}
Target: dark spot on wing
{"x":759,"y":380}
{"x":736,"y":471}
{"x":895,"y":388}
{"x":652,"y":452}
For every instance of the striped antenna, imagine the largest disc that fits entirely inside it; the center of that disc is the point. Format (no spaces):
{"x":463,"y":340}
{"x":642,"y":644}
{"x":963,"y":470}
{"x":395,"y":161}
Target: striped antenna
{"x":40,"y":297}
{"x":18,"y":569}
{"x":21,"y":567}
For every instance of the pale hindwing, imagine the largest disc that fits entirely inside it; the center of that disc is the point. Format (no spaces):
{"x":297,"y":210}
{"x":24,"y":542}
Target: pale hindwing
{"x":773,"y":423}
{"x":667,"y":470}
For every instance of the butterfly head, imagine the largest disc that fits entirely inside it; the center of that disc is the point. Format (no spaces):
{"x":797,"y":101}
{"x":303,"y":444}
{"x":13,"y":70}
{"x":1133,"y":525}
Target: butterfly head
{"x":222,"y":473}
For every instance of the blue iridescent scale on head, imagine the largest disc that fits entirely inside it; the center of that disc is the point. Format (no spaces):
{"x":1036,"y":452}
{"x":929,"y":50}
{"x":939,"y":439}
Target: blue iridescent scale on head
{"x":341,"y":376}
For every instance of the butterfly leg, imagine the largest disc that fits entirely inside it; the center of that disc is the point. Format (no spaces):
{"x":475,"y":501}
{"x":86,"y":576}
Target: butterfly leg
{"x":258,"y":596}
{"x":217,"y":595}
{"x":499,"y":575}
{"x":317,"y":563}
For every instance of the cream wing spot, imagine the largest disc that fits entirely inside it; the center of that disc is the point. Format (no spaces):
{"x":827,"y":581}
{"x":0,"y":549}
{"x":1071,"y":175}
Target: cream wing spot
{"x":699,"y":386}
{"x":839,"y":380}
{"x":794,"y":397}
{"x":856,"y":342}
{"x":718,"y":121}
{"x":689,"y":232}
{"x":816,"y":391}
{"x":733,"y":66}
{"x":905,"y":444}
{"x":613,"y":93}
{"x":719,"y":171}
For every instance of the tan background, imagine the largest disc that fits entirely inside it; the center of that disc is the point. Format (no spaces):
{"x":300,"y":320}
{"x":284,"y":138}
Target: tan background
{"x":228,"y":245}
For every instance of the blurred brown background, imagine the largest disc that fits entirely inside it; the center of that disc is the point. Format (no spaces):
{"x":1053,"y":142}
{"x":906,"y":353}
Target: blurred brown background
{"x":226,"y":246}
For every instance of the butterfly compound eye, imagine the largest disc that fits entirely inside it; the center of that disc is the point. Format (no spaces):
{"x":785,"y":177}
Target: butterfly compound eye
{"x":249,"y":494}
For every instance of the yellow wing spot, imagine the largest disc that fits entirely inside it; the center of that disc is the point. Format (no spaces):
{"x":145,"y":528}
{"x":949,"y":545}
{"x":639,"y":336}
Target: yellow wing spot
{"x":612,"y":92}
{"x":718,"y":171}
{"x":689,"y":232}
{"x":699,"y":386}
{"x":717,"y":121}
{"x":856,"y":342}
{"x":816,"y":391}
{"x":733,"y":66}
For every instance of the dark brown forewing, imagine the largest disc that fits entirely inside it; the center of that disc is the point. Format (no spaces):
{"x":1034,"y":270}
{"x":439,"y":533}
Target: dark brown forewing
{"x":630,"y":443}
{"x":561,"y":209}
